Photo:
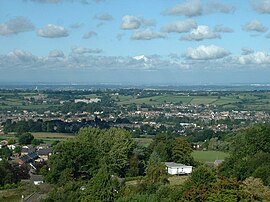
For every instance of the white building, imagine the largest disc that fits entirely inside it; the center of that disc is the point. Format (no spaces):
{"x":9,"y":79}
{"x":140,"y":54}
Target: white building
{"x":87,"y":101}
{"x":178,"y":168}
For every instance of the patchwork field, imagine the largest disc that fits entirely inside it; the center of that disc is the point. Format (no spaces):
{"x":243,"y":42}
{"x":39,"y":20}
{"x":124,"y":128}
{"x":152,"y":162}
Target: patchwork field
{"x":233,"y":101}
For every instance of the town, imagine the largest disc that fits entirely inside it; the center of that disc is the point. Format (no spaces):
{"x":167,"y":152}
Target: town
{"x":33,"y":122}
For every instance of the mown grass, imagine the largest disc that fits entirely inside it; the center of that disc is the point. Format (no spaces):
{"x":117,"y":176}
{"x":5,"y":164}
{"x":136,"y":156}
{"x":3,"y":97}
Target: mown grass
{"x":209,"y":156}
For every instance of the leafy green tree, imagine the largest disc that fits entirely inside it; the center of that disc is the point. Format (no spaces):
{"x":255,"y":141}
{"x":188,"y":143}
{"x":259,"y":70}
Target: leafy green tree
{"x":181,"y":152}
{"x":18,"y":149}
{"x":74,"y":157}
{"x":102,"y":187}
{"x":162,"y":145}
{"x":134,"y":164}
{"x":5,"y":173}
{"x":115,"y":149}
{"x":36,"y":142}
{"x":255,"y":187}
{"x":11,"y":140}
{"x":5,"y":153}
{"x":70,"y":191}
{"x":156,"y":170}
{"x":25,"y":138}
{"x":202,"y":175}
{"x":250,"y":155}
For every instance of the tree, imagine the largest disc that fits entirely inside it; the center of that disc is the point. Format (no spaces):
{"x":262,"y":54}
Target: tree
{"x":156,"y":170}
{"x":202,"y":175}
{"x":103,"y":187}
{"x":181,"y":152}
{"x":36,"y":142}
{"x":115,"y":149}
{"x":250,"y":155}
{"x":5,"y":173}
{"x":74,"y":157}
{"x":255,"y":187}
{"x":25,"y":138}
{"x":5,"y":153}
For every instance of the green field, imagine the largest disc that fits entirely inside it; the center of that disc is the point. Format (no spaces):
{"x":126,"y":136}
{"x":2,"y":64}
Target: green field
{"x":46,"y":137}
{"x":231,"y":101}
{"x":209,"y":156}
{"x":144,"y":141}
{"x":41,"y":135}
{"x":14,"y":195}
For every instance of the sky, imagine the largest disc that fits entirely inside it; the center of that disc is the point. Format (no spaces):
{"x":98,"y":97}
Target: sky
{"x":135,"y":41}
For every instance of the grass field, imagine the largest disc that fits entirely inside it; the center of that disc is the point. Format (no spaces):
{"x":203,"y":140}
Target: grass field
{"x":143,"y":141}
{"x":46,"y":137}
{"x":42,"y":135}
{"x":170,"y":98}
{"x":178,"y":179}
{"x":246,"y":101}
{"x":210,"y":156}
{"x":174,"y":180}
{"x":14,"y":195}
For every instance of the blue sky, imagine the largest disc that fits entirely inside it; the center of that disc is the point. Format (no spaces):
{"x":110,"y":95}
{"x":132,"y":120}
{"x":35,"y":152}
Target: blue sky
{"x":140,"y":42}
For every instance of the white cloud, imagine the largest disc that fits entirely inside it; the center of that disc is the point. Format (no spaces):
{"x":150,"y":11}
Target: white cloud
{"x":254,"y":25}
{"x":134,"y":22}
{"x":267,"y":35}
{"x":81,"y":50}
{"x":221,"y":28}
{"x":89,"y":35}
{"x":62,"y":1}
{"x":202,"y":32}
{"x":215,"y":6}
{"x":192,"y":8}
{"x":188,"y":8}
{"x":247,"y":51}
{"x":16,"y":25}
{"x":206,"y":52}
{"x":254,"y":58}
{"x":52,"y":31}
{"x":81,"y":59}
{"x":104,"y":17}
{"x":76,"y":25}
{"x":261,"y":6}
{"x":130,"y":22}
{"x":180,"y":26}
{"x":147,"y":34}
{"x":56,"y":54}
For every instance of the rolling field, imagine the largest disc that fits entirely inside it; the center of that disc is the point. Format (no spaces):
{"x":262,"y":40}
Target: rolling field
{"x":234,"y":101}
{"x":209,"y":156}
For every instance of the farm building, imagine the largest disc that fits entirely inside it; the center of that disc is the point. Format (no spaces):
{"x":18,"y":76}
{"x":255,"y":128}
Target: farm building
{"x":178,"y":168}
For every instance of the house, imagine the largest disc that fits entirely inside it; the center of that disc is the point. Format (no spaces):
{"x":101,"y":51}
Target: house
{"x":27,"y":150}
{"x":12,"y":146}
{"x":44,"y":153}
{"x":29,"y":158}
{"x":36,"y":179}
{"x":177,"y":168}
